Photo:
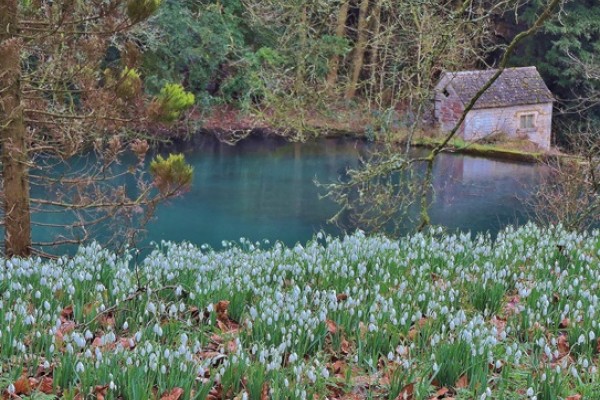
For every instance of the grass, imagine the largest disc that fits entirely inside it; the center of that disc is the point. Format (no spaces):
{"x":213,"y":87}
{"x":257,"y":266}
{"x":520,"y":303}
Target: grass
{"x":361,"y":317}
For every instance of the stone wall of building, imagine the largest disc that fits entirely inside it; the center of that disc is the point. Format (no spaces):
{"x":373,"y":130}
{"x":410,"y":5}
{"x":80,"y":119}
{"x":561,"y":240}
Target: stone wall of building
{"x":507,"y":120}
{"x":448,"y":109}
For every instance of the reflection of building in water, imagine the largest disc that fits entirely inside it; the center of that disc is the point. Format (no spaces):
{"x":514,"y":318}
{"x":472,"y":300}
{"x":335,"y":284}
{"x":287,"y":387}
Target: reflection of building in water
{"x":459,"y":177}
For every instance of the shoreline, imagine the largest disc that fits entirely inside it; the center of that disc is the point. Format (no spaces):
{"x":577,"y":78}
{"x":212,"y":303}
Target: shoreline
{"x":490,"y":151}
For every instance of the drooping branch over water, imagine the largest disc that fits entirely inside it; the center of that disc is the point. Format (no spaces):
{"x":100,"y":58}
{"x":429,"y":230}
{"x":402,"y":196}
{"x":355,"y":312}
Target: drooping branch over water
{"x":379,"y":194}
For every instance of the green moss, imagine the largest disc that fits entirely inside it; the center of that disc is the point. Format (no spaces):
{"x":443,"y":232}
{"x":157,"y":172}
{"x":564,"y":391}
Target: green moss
{"x":139,"y":10}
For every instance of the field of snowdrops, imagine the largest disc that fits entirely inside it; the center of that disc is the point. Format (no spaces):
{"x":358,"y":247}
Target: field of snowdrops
{"x":430,"y":316}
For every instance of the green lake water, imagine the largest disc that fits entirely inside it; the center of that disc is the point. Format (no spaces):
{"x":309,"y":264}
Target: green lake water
{"x":263,"y":188}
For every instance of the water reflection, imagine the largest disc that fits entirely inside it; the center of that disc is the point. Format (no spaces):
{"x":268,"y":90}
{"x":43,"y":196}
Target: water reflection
{"x":263,"y":188}
{"x":479,"y":194}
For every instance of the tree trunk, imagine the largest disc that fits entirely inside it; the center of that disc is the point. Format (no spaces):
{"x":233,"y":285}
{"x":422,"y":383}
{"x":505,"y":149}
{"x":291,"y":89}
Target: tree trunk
{"x":301,"y":56}
{"x":359,"y":50}
{"x":375,"y":49}
{"x":14,"y":157}
{"x":340,"y":32}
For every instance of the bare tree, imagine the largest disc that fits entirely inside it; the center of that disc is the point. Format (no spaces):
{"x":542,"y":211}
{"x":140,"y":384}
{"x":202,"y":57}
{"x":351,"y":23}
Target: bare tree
{"x":61,"y":96}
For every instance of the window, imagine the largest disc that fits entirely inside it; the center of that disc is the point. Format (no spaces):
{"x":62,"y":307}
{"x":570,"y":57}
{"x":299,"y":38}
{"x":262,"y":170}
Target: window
{"x":446,"y":92}
{"x":527,"y":121}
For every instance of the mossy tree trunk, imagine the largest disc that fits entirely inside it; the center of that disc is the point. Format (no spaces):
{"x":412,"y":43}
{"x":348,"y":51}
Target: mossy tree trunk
{"x":376,"y":23}
{"x":359,"y":50}
{"x":14,"y":155}
{"x":301,"y":55}
{"x":340,"y":32}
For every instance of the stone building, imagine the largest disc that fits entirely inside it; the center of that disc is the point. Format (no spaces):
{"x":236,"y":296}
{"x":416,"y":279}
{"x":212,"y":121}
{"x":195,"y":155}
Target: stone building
{"x":518,"y":105}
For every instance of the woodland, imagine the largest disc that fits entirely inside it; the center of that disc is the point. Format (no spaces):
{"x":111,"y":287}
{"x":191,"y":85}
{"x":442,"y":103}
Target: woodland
{"x":89,"y":86}
{"x":117,"y":77}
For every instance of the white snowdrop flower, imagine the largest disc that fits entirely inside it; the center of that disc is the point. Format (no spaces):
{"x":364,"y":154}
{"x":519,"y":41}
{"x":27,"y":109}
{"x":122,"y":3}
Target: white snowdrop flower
{"x":79,"y":368}
{"x":112,"y":385}
{"x":151,"y":307}
{"x":163,"y":369}
{"x":436,"y":367}
{"x":574,"y":372}
{"x":592,"y":335}
{"x":245,"y":396}
{"x":581,"y":339}
{"x":530,"y":392}
{"x":125,"y":325}
{"x":585,"y":363}
{"x":11,"y":389}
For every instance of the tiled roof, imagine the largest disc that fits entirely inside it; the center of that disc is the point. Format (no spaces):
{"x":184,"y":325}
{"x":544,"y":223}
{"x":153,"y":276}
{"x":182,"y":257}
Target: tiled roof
{"x":515,"y":86}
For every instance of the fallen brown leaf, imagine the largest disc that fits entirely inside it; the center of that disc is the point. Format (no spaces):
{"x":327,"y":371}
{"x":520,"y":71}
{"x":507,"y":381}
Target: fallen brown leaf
{"x":341,"y":297}
{"x":563,"y":345}
{"x":345,"y":346}
{"x":407,"y":392}
{"x":100,"y":391}
{"x":231,"y":347}
{"x":574,"y":397}
{"x":22,"y":385}
{"x":462,"y":382}
{"x":67,"y":313}
{"x":173,"y":394}
{"x":440,"y":393}
{"x":46,"y":385}
{"x":331,"y":326}
{"x":264,"y":395}
{"x":221,"y":309}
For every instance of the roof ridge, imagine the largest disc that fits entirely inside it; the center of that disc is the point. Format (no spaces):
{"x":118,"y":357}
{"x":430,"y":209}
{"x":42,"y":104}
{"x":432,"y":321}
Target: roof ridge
{"x":515,"y":85}
{"x":477,"y":71}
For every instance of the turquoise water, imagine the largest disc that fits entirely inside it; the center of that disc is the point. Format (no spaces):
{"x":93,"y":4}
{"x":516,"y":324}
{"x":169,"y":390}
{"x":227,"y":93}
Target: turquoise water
{"x":263,"y":188}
